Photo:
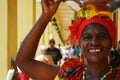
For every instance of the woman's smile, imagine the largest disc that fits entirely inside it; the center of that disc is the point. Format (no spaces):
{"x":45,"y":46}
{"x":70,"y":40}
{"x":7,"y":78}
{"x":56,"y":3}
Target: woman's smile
{"x":94,"y":51}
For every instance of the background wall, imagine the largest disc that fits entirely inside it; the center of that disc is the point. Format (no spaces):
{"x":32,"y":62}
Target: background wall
{"x":118,"y":23}
{"x":26,"y":18}
{"x":3,"y":39}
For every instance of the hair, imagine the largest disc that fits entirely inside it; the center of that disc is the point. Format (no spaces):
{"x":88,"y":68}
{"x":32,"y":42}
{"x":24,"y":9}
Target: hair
{"x":51,"y":41}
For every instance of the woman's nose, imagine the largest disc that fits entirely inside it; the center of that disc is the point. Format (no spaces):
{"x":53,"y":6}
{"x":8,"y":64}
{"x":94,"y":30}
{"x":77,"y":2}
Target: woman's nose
{"x":94,"y":41}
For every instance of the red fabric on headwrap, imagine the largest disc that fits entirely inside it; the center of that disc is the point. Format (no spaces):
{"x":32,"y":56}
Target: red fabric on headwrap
{"x":74,"y":29}
{"x":79,"y":25}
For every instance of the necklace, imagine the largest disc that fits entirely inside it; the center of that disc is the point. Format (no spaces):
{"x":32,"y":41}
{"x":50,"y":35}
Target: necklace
{"x":107,"y":74}
{"x":83,"y":74}
{"x":102,"y":78}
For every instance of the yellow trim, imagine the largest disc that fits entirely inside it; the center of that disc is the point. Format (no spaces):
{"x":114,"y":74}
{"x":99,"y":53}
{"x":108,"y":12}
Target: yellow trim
{"x":90,"y":11}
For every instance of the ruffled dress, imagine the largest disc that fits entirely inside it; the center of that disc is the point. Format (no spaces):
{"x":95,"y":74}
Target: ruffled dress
{"x":73,"y":69}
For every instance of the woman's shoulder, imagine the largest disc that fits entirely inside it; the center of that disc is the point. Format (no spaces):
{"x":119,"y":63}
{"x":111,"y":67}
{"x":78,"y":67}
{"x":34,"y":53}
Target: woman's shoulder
{"x":71,"y":68}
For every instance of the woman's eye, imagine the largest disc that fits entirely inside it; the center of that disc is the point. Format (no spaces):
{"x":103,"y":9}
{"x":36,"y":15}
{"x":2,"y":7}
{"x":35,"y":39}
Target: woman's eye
{"x":101,"y":36}
{"x":86,"y":37}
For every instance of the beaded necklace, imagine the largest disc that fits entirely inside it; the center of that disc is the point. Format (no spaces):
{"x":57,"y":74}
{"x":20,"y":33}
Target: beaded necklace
{"x":83,"y":74}
{"x":102,"y":78}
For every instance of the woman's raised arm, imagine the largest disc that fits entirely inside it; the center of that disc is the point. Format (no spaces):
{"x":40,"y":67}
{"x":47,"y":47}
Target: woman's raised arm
{"x":25,"y":57}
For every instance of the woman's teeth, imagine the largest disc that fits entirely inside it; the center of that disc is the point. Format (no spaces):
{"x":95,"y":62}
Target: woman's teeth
{"x":94,"y":50}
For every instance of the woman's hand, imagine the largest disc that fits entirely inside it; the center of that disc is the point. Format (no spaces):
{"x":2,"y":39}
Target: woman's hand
{"x":49,"y":7}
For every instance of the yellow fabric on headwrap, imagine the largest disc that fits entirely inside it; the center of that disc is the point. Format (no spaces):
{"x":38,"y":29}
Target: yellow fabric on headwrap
{"x":90,"y":11}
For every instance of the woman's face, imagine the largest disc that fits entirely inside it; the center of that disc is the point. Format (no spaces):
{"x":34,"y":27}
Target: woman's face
{"x":95,"y":43}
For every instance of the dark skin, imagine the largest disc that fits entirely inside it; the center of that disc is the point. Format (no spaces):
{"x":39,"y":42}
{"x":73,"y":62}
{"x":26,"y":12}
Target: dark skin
{"x":96,"y":37}
{"x":41,"y":71}
{"x":25,"y":58}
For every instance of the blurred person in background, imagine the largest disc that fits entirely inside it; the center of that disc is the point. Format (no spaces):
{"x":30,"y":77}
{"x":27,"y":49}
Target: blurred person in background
{"x":54,"y":52}
{"x":44,"y":57}
{"x":115,"y":56}
{"x":15,"y":73}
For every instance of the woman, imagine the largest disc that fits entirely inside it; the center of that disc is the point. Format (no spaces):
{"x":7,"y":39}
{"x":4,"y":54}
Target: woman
{"x":96,"y":37}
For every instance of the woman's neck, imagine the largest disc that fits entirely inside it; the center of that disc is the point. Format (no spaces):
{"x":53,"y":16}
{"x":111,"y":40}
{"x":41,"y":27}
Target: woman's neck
{"x":96,"y":71}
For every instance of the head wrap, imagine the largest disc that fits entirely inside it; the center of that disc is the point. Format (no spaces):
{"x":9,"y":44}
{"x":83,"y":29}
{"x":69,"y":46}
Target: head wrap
{"x":80,"y":24}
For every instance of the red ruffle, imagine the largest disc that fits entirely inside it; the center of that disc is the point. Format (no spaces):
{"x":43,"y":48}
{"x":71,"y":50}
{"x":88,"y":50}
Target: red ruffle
{"x":71,"y":70}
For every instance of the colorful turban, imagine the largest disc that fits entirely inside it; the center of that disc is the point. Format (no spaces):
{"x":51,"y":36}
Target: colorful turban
{"x":79,"y":25}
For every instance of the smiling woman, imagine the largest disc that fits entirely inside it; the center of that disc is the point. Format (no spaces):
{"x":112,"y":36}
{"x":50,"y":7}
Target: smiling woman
{"x":95,"y":43}
{"x":96,"y":36}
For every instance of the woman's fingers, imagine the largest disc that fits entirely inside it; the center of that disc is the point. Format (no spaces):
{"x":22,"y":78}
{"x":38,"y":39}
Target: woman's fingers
{"x":50,"y":2}
{"x":50,"y":6}
{"x":44,"y":2}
